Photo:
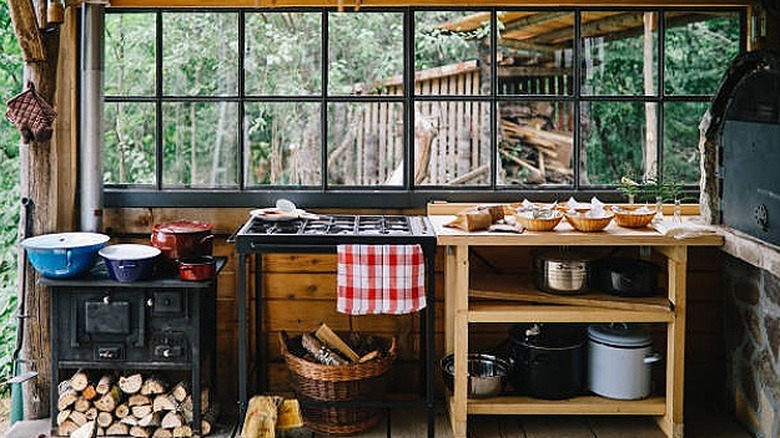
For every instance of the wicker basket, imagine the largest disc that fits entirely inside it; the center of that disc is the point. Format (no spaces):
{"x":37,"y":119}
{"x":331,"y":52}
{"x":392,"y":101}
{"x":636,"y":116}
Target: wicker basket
{"x":626,"y":217}
{"x":588,"y":224}
{"x":317,"y":383}
{"x":539,"y":224}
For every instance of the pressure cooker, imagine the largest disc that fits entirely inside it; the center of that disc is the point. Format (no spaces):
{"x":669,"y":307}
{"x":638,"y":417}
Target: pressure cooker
{"x":619,"y":361}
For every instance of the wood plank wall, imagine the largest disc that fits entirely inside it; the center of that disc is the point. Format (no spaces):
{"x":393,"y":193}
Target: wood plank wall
{"x":300,"y":293}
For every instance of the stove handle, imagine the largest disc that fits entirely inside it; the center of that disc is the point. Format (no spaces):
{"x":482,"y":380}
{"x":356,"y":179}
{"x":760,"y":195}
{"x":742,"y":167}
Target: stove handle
{"x":232,"y":237}
{"x":139,"y":341}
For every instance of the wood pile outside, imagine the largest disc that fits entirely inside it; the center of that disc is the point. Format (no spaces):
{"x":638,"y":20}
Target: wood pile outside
{"x":132,"y":405}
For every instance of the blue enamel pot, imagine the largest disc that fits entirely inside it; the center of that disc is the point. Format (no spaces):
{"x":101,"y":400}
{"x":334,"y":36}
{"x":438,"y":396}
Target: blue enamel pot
{"x":64,"y":255}
{"x":128,"y":262}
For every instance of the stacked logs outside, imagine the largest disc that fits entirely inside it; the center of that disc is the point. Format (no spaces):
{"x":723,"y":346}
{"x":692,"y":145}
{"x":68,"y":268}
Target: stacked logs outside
{"x":537,"y":153}
{"x":135,"y":405}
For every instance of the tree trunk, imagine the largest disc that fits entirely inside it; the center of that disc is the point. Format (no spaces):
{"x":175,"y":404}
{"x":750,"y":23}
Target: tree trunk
{"x":651,"y":119}
{"x":38,"y":170}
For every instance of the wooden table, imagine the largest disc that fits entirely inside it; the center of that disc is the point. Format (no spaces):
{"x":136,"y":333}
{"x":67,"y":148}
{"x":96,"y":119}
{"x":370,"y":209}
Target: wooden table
{"x":540,"y":307}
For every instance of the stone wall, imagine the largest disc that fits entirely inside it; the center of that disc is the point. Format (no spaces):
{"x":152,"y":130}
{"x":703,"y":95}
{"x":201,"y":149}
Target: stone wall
{"x":752,"y":325}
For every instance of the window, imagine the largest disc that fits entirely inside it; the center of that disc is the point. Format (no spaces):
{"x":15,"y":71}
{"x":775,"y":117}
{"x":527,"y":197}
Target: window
{"x":394,"y":107}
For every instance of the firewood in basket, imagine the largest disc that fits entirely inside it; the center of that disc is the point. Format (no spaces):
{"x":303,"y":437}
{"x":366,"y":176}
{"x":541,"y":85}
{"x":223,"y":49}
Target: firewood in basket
{"x":334,"y":342}
{"x":171,"y":420}
{"x":105,"y":419}
{"x":62,"y":416}
{"x":138,"y":399}
{"x":182,"y":431}
{"x":140,"y":432}
{"x":104,"y":384}
{"x":131,"y":384}
{"x":162,"y":433}
{"x":164,"y":402}
{"x":152,"y":386}
{"x":322,"y":353}
{"x":108,"y":401}
{"x":78,"y":417}
{"x":118,"y":428}
{"x":122,"y":411}
{"x":87,"y":430}
{"x":289,"y":415}
{"x":79,"y":380}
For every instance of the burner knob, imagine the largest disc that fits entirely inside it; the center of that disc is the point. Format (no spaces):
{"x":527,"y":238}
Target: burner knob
{"x":149,"y":302}
{"x":107,"y":299}
{"x":166,"y":352}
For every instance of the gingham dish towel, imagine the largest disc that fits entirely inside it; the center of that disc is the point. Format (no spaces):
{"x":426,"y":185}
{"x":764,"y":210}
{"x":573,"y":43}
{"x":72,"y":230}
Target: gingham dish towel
{"x":380,"y":279}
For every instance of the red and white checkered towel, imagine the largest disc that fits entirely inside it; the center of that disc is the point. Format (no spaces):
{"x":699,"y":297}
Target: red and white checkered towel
{"x":380,"y":279}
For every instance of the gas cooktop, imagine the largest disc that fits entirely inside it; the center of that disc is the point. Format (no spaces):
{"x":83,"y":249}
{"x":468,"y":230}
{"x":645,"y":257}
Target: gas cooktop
{"x":333,"y":230}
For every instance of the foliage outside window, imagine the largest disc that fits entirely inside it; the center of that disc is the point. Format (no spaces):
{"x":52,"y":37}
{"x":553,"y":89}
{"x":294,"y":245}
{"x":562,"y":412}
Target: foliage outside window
{"x":480,"y":101}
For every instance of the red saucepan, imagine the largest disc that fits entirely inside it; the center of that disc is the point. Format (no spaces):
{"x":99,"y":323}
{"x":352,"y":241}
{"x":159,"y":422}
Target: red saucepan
{"x":197,"y":268}
{"x":183,"y":238}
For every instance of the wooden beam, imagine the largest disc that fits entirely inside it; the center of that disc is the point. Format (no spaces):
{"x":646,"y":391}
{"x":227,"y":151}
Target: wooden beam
{"x":511,"y":71}
{"x":401,"y":3}
{"x":26,"y":29}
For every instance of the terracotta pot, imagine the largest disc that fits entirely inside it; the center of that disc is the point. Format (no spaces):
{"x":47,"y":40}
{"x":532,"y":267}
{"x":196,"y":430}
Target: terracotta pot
{"x":183,"y":238}
{"x":197,"y":268}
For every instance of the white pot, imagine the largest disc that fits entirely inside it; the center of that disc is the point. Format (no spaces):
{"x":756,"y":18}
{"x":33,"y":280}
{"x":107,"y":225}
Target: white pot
{"x":619,"y":361}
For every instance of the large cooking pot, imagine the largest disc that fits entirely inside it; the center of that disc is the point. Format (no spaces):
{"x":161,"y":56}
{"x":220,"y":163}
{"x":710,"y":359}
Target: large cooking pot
{"x":626,"y":277}
{"x":183,"y":238}
{"x":619,"y":361}
{"x":547,"y":360}
{"x":561,"y":271}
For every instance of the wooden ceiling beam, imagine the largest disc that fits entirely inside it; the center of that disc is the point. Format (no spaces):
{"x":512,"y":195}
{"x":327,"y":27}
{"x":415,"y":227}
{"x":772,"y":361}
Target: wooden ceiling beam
{"x":27,"y":30}
{"x":351,"y":4}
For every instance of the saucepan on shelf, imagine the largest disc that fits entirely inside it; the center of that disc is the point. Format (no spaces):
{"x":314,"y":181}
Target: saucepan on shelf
{"x":561,"y":271}
{"x":486,"y":374}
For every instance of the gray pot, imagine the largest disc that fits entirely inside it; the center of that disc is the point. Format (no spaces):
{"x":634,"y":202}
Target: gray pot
{"x":561,"y":272}
{"x":619,"y":361}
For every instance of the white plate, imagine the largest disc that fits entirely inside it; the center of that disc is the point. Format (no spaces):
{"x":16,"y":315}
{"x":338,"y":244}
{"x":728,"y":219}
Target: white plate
{"x":273,"y":214}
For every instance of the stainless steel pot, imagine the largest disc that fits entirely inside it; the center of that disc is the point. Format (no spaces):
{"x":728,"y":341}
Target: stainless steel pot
{"x":619,"y":361}
{"x":561,"y":272}
{"x":485,"y":374}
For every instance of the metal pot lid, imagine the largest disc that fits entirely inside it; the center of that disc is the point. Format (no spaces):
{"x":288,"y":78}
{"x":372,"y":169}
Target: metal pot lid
{"x":183,"y":227}
{"x":619,"y":335}
{"x":65,"y":240}
{"x":550,"y":336}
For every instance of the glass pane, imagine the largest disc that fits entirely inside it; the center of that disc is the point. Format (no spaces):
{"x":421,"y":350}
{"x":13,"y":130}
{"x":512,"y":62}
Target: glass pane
{"x":699,"y":49}
{"x":200,"y":54}
{"x":283,"y":140}
{"x":129,"y":152}
{"x":365,"y":144}
{"x":283,"y":53}
{"x":535,"y":142}
{"x":130,"y":54}
{"x":200,"y":148}
{"x":620,"y":52}
{"x":681,"y":141}
{"x":448,"y":47}
{"x":535,"y":52}
{"x":618,"y":139}
{"x":365,"y":52}
{"x":452,"y":143}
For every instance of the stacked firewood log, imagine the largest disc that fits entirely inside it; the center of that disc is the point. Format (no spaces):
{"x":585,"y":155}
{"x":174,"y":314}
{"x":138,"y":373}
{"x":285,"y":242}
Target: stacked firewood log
{"x":134,"y":405}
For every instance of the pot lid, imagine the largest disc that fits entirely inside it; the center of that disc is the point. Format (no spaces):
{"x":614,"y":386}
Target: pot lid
{"x":183,"y":226}
{"x":75,"y":239}
{"x":619,"y":335}
{"x":129,"y":251}
{"x":555,"y":336}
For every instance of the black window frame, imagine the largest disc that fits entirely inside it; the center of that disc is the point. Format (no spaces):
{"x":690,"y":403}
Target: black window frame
{"x":393,"y":197}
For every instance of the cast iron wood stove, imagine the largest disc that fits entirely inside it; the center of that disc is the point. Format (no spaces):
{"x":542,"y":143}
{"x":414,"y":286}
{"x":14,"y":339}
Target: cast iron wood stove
{"x":160,"y":325}
{"x":322,"y":235}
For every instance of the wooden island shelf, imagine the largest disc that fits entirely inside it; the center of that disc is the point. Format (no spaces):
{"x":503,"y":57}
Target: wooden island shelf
{"x":512,"y":299}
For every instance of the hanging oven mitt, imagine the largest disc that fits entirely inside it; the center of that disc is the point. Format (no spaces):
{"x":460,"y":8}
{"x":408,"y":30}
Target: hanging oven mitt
{"x":31,"y":115}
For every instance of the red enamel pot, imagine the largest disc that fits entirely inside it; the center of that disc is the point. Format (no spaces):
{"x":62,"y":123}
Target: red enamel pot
{"x":197,"y":268}
{"x":183,"y":238}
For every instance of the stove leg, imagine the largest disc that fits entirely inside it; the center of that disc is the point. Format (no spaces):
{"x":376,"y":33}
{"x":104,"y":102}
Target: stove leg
{"x":242,"y":343}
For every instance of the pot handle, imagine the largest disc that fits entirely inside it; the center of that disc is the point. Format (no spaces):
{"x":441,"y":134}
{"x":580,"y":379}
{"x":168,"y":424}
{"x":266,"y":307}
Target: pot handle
{"x":206,"y":238}
{"x":652,"y":358}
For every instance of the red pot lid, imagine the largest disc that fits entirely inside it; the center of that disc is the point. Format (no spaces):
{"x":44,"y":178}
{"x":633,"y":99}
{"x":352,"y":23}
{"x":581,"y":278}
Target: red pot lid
{"x":183,"y":226}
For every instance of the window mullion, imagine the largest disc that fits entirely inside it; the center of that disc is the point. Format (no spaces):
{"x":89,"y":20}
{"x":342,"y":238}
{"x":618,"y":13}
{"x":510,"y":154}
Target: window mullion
{"x":243,"y":152}
{"x":159,"y":127}
{"x":324,"y":102}
{"x":577,"y":61}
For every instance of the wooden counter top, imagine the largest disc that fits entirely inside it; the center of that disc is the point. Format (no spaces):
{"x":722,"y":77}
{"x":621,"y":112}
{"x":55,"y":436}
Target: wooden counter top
{"x":564,"y":234}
